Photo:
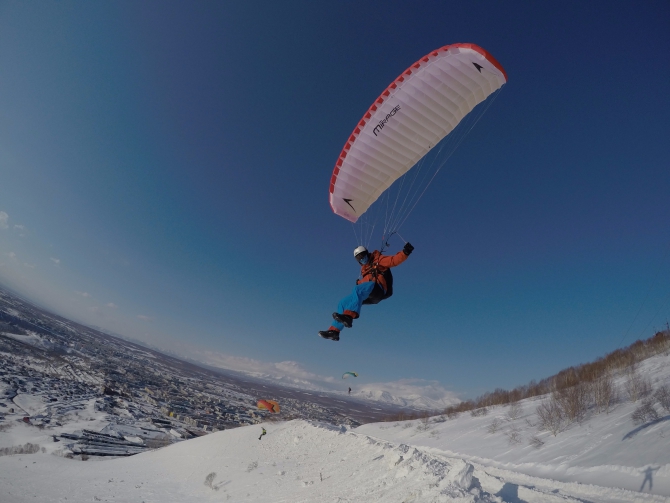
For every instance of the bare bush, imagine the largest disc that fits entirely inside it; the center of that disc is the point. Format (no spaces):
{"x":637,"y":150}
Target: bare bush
{"x":663,"y":396}
{"x":495,"y":425}
{"x":401,"y":416}
{"x":514,"y":411}
{"x":619,"y":360}
{"x":645,"y":412}
{"x":550,"y":416}
{"x":513,"y":436}
{"x":482,"y":411}
{"x":27,"y":448}
{"x":536,"y":442}
{"x":637,"y":386}
{"x":603,"y":392}
{"x":451,"y":414}
{"x":423,"y":425}
{"x":573,"y":399}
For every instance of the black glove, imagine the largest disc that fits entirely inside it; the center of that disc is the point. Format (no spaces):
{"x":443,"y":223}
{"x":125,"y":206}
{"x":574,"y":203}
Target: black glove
{"x":408,"y":249}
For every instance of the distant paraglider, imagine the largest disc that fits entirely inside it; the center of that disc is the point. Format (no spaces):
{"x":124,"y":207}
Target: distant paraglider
{"x":270,"y":405}
{"x":346,"y":375}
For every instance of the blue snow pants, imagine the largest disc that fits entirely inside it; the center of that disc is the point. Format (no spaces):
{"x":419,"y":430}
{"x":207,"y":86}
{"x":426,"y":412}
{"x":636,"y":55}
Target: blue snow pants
{"x":354,"y":301}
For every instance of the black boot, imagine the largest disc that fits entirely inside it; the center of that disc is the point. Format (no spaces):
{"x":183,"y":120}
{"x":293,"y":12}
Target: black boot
{"x":345,"y":319}
{"x":333,"y":335}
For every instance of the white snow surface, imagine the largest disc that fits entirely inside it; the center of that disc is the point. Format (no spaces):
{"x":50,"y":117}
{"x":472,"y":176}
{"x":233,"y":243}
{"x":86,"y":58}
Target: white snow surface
{"x":605,"y":459}
{"x":606,"y":449}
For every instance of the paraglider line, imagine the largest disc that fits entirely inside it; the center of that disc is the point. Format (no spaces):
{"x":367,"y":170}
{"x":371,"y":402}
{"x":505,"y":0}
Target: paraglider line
{"x":495,"y":95}
{"x":646,"y":298}
{"x":422,"y":176}
{"x":402,"y":211}
{"x":663,"y":305}
{"x":416,"y":175}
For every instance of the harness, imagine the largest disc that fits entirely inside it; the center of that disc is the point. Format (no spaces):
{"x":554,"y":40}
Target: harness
{"x":378,"y":294}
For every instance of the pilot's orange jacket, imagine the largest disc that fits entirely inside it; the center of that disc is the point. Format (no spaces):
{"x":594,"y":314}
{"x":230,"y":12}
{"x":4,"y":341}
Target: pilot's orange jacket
{"x":378,"y":263}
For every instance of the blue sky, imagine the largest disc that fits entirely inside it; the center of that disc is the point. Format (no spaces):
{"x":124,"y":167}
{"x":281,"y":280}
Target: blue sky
{"x":164,"y":172}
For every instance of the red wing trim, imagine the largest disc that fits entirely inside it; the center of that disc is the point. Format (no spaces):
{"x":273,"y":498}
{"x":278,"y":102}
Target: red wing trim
{"x":393,"y":85}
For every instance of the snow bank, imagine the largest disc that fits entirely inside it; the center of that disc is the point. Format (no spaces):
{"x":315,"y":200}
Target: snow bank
{"x":295,"y":461}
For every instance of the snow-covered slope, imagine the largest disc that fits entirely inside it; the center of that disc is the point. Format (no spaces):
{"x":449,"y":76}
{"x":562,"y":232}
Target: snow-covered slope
{"x":605,"y":459}
{"x":605,"y":449}
{"x":295,"y":461}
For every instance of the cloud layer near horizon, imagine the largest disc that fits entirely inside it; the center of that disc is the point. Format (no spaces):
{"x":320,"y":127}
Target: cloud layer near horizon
{"x":415,"y":393}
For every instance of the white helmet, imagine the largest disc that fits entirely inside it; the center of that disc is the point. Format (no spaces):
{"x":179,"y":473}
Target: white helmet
{"x":359,"y":250}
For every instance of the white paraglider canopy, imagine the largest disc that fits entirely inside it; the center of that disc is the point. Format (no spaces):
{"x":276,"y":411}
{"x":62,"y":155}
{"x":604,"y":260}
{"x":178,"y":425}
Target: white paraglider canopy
{"x":420,"y":108}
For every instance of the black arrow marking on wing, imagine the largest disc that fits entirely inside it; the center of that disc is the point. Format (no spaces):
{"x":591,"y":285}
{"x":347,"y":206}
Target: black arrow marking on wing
{"x":478,"y":67}
{"x":348,"y":201}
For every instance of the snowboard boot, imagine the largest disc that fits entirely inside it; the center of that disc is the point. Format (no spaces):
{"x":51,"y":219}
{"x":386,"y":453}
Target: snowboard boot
{"x":333,"y":335}
{"x":345,"y":319}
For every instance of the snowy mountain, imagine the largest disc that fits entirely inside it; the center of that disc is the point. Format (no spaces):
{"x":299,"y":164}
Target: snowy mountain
{"x":408,"y":393}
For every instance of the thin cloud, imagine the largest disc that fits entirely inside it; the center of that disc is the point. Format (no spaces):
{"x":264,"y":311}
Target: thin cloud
{"x":11,"y":255}
{"x":83,"y":294}
{"x":19,"y":227}
{"x":289,"y":373}
{"x":415,"y":393}
{"x":111,"y":305}
{"x":97,"y":311}
{"x":4,"y":220}
{"x":144,"y":317}
{"x":29,"y":266}
{"x":55,"y":260}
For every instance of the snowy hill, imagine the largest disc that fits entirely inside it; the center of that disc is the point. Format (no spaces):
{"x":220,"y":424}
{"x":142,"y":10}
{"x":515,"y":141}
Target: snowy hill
{"x":606,"y":449}
{"x":605,"y":459}
{"x":502,"y":455}
{"x":295,"y":462}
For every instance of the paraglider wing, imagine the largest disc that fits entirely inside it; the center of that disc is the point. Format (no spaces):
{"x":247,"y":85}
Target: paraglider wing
{"x":422,"y":106}
{"x":270,"y":405}
{"x":347,"y":374}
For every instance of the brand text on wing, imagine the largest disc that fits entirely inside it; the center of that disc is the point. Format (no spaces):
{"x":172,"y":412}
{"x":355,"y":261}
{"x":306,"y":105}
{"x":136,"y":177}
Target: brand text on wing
{"x":383,"y":122}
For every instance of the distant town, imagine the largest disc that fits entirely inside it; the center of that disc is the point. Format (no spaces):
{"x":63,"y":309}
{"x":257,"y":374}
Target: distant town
{"x":54,"y":371}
